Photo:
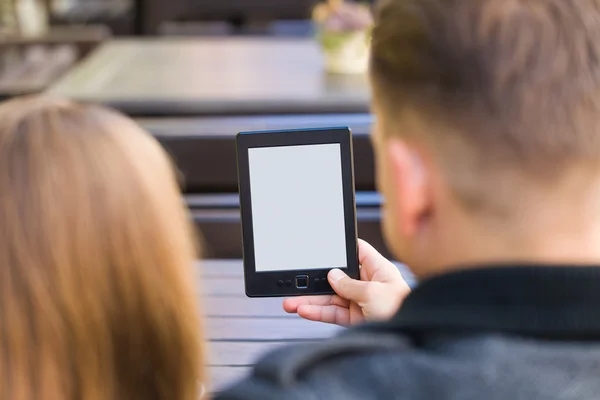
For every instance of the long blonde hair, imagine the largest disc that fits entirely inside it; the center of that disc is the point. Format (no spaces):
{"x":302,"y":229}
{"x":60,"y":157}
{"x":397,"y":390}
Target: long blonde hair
{"x":96,"y":251}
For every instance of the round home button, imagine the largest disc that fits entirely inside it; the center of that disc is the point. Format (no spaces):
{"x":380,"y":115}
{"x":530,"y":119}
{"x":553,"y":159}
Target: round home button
{"x":280,"y":283}
{"x":302,"y":281}
{"x":288,"y":283}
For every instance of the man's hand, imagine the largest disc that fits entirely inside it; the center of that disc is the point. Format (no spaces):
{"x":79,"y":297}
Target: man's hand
{"x":377,"y":296}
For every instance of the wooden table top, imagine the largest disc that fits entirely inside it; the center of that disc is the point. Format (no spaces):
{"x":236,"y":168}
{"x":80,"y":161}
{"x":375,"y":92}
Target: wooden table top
{"x":183,"y":76}
{"x":240,"y":329}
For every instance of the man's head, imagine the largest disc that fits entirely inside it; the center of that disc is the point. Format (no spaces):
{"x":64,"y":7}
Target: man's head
{"x":488,"y":129}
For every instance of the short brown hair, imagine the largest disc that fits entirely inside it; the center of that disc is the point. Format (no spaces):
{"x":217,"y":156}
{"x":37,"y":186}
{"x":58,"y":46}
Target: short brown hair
{"x":517,"y":80}
{"x":96,"y":294}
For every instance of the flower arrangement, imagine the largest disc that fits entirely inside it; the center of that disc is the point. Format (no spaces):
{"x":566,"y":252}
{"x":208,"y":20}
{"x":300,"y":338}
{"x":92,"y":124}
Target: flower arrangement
{"x":344,"y":31}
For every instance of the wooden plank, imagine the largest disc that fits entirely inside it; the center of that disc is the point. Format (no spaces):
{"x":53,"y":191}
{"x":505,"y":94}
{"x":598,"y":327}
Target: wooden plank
{"x":222,"y":377}
{"x":227,"y":306}
{"x":234,"y":268}
{"x":208,"y":144}
{"x":220,"y":287}
{"x":78,"y":35}
{"x":227,"y":354}
{"x":36,"y":69}
{"x":222,"y":233}
{"x":255,"y":17}
{"x":266,"y":329}
{"x":227,"y":127}
{"x":220,"y":268}
{"x":233,"y":288}
{"x":214,"y":76}
{"x":232,"y":200}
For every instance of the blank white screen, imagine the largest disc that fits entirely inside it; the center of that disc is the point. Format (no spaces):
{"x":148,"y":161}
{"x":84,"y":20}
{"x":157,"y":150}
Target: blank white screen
{"x":297,"y":207}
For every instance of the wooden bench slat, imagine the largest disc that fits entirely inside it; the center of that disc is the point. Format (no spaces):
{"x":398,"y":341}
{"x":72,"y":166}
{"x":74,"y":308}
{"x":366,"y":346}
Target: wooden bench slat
{"x":225,"y":269}
{"x":222,"y":377}
{"x":204,"y":148}
{"x":220,"y":268}
{"x":229,"y":126}
{"x":232,"y":200}
{"x":227,"y":306}
{"x":266,"y":329}
{"x":233,"y":286}
{"x":218,"y":286}
{"x":221,"y":230}
{"x":224,"y":354}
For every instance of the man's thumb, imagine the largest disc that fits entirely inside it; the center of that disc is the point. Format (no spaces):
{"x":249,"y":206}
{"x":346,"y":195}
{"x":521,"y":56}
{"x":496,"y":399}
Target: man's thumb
{"x":346,"y":287}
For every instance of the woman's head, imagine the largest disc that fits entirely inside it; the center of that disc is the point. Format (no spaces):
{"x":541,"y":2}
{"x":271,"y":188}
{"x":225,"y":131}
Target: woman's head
{"x":96,"y":283}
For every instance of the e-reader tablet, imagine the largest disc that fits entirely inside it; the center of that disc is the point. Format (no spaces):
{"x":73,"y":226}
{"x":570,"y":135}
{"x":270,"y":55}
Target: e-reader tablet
{"x":298,"y":210}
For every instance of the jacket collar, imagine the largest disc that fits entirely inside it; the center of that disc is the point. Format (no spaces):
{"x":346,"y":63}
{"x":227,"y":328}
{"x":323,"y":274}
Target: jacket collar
{"x":551,"y":301}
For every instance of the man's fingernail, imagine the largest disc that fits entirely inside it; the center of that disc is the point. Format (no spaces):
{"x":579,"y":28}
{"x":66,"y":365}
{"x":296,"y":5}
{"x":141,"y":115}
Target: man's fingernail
{"x":336,"y":275}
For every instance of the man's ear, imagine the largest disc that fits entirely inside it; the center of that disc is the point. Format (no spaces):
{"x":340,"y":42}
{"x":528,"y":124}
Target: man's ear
{"x":412,"y":182}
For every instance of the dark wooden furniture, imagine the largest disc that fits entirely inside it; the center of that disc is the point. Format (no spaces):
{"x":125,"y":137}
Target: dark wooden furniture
{"x":31,"y":64}
{"x":217,"y":218}
{"x":204,"y":148}
{"x":117,"y":15}
{"x":204,"y":151}
{"x":84,"y":38}
{"x":239,"y":329}
{"x":216,"y":76}
{"x":195,"y":95}
{"x":239,"y":14}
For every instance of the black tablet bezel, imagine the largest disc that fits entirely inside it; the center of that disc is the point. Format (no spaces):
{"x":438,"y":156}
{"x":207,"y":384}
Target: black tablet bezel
{"x":283,"y":283}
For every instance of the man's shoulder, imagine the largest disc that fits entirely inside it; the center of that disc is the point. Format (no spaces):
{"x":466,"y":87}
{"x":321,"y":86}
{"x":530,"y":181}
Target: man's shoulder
{"x":335,"y":368}
{"x":378,"y":365}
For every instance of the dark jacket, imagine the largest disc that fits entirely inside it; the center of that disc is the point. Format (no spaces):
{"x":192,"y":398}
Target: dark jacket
{"x":496,"y":333}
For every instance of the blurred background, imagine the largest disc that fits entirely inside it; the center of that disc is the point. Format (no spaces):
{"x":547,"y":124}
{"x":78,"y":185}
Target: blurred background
{"x":196,"y":72}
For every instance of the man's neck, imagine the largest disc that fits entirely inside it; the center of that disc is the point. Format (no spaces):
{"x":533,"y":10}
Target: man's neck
{"x":552,"y":221}
{"x":544,"y":238}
